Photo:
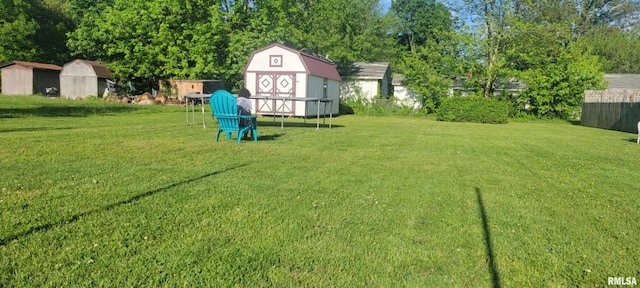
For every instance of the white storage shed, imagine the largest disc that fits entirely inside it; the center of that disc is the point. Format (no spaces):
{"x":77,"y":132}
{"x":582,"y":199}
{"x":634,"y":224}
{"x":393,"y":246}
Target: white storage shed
{"x":83,"y":78}
{"x":367,"y":80}
{"x":277,"y":71}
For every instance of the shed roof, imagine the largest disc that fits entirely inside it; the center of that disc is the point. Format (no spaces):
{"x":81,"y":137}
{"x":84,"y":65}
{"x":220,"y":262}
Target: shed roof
{"x":622,"y":81}
{"x":32,"y":65}
{"x":369,"y":70}
{"x":101,"y":70}
{"x":315,"y":65}
{"x":397,"y":80}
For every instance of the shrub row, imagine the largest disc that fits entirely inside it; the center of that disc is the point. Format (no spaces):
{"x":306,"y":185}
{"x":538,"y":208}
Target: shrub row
{"x":473,"y":109}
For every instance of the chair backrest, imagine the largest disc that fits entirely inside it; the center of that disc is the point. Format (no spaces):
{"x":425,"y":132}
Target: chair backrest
{"x":225,"y":108}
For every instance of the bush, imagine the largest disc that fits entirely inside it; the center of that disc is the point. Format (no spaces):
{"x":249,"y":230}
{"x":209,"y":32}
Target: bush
{"x":377,"y":107}
{"x":473,"y":109}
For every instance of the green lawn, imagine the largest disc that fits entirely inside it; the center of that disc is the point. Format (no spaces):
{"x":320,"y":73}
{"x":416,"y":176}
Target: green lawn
{"x":129,"y":196}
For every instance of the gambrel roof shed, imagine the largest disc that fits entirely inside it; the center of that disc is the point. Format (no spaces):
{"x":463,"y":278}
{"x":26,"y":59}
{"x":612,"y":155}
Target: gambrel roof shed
{"x":81,"y":78}
{"x":27,"y":78}
{"x":310,"y":64}
{"x":277,"y":71}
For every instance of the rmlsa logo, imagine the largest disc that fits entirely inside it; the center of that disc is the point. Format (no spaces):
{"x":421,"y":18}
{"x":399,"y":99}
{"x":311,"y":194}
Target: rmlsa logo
{"x":622,"y":281}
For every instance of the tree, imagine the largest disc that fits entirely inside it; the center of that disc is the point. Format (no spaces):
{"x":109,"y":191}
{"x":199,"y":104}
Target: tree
{"x":429,"y":48}
{"x":619,"y":51}
{"x":146,"y":40}
{"x":556,"y":89}
{"x":33,"y":31}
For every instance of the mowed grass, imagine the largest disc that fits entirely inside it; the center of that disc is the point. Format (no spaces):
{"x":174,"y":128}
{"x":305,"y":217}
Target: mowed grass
{"x":129,"y":196}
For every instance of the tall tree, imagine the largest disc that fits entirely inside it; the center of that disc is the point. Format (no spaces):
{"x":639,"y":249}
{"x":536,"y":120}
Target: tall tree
{"x":429,"y":48}
{"x":33,"y":30}
{"x":618,"y":50}
{"x":145,"y":40}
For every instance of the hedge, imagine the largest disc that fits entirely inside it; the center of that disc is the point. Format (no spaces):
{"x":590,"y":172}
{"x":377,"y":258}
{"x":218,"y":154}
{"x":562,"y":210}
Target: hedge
{"x":473,"y":109}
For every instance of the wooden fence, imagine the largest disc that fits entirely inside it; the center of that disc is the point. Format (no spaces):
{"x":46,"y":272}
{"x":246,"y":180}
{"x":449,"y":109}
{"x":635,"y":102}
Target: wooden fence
{"x":613,"y":109}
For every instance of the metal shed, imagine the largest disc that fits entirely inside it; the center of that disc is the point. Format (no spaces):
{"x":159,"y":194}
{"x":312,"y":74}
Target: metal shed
{"x":277,"y":71}
{"x":367,"y":80}
{"x":28,"y":78}
{"x":83,"y":78}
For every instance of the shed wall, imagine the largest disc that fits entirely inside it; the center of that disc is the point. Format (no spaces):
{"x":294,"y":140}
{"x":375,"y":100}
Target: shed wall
{"x":78,"y":79}
{"x":406,"y":96}
{"x":266,"y":61}
{"x":78,"y":86}
{"x":17,"y":80}
{"x":365,"y":88}
{"x":613,"y":109}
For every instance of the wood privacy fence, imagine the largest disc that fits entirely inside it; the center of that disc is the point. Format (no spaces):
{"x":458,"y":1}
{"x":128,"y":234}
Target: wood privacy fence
{"x":614,"y":109}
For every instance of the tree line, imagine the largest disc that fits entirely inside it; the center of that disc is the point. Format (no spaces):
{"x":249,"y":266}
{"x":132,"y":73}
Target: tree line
{"x":557,"y":48}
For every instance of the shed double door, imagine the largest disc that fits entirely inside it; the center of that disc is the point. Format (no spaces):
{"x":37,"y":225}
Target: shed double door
{"x":275,"y":85}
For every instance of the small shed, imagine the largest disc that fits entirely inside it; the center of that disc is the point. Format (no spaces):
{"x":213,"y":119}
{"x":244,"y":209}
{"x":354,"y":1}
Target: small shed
{"x":615,"y":108}
{"x":403,"y":94}
{"x":367,"y":80}
{"x":180,"y":88}
{"x":280,"y":71}
{"x":83,"y":78}
{"x":28,"y":78}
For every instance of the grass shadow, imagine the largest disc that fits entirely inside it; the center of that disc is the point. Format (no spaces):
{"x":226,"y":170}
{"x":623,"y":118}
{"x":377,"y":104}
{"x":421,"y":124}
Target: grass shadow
{"x":74,"y":218}
{"x":309,"y":124}
{"x":64,"y":111}
{"x":632,"y":140}
{"x":493,"y":268}
{"x":269,"y":137}
{"x":31,"y":129}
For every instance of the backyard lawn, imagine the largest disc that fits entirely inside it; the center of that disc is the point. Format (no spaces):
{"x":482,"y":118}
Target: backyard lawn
{"x":119,"y":195}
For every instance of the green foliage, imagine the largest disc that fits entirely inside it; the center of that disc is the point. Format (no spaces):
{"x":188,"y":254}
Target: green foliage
{"x":618,"y":51}
{"x":379,"y":106}
{"x":473,"y":109}
{"x":33,"y":31}
{"x":149,"y":40}
{"x":430,"y":49}
{"x":557,"y":89}
{"x":422,"y":22}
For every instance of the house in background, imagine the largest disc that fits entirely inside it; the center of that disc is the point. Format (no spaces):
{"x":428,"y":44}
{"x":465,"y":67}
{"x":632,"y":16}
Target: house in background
{"x":28,"y":78}
{"x":367,"y":80}
{"x":280,"y":71}
{"x":83,"y":78}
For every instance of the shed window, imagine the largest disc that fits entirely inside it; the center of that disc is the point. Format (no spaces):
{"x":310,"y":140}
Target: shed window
{"x":324,"y":88}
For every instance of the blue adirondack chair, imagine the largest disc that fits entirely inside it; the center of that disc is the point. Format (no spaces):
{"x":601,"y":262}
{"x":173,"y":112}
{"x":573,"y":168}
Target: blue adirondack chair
{"x":225,"y":109}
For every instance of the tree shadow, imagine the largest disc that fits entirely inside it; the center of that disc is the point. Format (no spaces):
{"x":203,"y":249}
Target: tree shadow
{"x":30,"y":129}
{"x":64,"y":111}
{"x":74,"y":218}
{"x":493,"y":268}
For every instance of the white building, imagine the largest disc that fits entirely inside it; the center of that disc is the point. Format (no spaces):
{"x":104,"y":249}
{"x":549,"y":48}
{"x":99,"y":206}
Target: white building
{"x":83,"y":78}
{"x":280,"y":71}
{"x":367,"y":80}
